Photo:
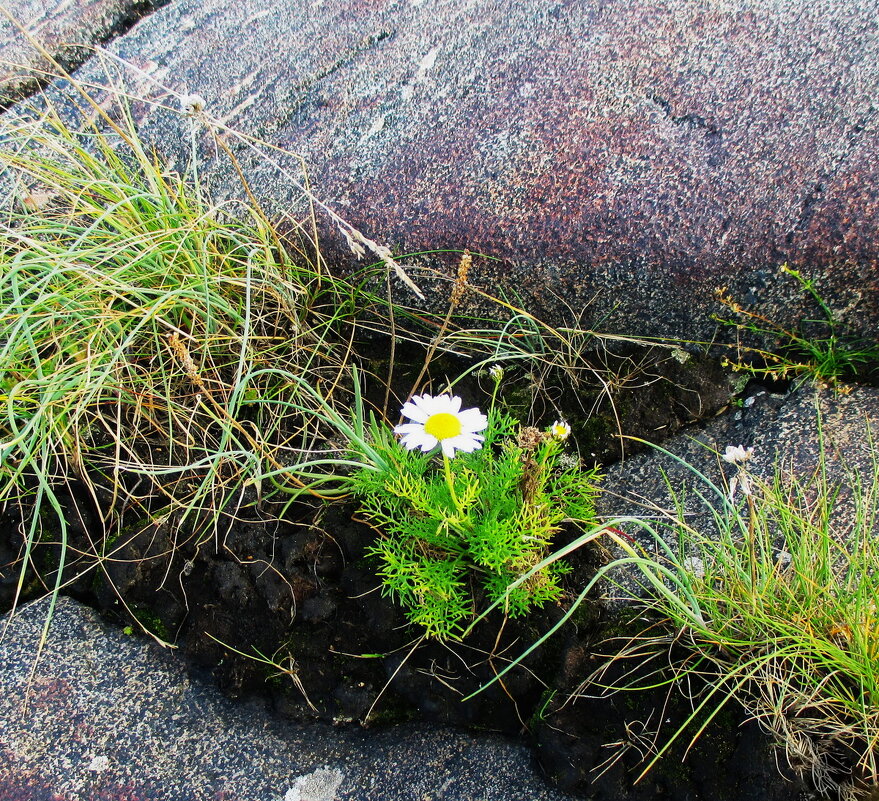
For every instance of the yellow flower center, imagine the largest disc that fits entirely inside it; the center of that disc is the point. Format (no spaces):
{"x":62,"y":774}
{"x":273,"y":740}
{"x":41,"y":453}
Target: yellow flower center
{"x":443,"y":425}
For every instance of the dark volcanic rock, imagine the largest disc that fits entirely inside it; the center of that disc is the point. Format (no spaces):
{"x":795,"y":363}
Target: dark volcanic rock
{"x":788,"y":431}
{"x":65,"y":29}
{"x":635,"y":155}
{"x":594,"y":743}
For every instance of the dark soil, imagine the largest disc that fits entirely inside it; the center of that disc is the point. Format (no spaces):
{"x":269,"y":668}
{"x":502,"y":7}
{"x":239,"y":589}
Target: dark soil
{"x":301,"y":594}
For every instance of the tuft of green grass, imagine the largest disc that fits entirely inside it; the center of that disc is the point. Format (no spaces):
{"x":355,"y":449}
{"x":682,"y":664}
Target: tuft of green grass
{"x":170,"y":358}
{"x":777,"y":604}
{"x":165,"y":353}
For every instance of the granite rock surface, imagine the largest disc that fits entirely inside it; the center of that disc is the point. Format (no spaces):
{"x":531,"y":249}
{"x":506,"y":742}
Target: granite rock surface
{"x":114,"y":718}
{"x":619,"y":161}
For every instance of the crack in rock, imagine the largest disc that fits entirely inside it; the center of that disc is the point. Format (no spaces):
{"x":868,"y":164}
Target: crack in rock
{"x":88,"y":24}
{"x":298,"y":95}
{"x":693,"y":121}
{"x":813,"y":197}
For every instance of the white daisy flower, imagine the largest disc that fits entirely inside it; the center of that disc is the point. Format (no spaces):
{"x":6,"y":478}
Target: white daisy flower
{"x":560,"y":430}
{"x":440,"y":421}
{"x":496,"y":373}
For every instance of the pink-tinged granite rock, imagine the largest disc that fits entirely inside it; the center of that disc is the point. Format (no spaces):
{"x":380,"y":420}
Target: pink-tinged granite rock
{"x":65,"y":28}
{"x":626,"y":158}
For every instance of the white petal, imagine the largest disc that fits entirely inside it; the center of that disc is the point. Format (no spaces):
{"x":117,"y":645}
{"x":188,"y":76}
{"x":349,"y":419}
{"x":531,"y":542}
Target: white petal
{"x":408,"y":444}
{"x":409,"y":436}
{"x":450,"y":404}
{"x":411,"y":411}
{"x":448,"y":447}
{"x":442,"y":405}
{"x":408,"y":428}
{"x":464,"y":442}
{"x":418,"y":439}
{"x":472,"y":420}
{"x":427,"y":404}
{"x":428,"y":442}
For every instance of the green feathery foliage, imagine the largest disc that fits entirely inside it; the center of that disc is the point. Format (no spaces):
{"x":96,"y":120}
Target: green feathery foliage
{"x":440,"y":555}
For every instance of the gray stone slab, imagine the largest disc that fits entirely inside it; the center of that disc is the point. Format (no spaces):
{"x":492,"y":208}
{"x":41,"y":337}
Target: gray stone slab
{"x":112,"y":718}
{"x":622,"y":158}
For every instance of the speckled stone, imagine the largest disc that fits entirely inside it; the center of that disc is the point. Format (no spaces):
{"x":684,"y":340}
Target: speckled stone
{"x":785,"y":430}
{"x":622,"y":159}
{"x":116,"y":718}
{"x":65,"y":28}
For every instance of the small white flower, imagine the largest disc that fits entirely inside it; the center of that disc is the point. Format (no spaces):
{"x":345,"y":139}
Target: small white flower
{"x":560,"y":430}
{"x":737,"y":455}
{"x":440,"y":421}
{"x":496,"y":372}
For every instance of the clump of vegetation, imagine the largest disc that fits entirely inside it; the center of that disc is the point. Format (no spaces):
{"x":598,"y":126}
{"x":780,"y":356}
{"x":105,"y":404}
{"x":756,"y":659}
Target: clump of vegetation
{"x":155,"y":345}
{"x":827,"y":353}
{"x":177,"y":360}
{"x":453,"y":530}
{"x":777,"y":602}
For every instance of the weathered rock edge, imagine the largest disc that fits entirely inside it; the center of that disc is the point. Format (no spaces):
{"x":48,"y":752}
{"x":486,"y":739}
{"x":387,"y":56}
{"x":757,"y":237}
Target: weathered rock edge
{"x":65,"y":30}
{"x":116,"y":717}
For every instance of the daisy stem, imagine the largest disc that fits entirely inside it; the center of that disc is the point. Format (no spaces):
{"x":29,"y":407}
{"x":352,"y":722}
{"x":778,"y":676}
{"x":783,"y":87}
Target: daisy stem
{"x":451,"y":483}
{"x":497,"y":385}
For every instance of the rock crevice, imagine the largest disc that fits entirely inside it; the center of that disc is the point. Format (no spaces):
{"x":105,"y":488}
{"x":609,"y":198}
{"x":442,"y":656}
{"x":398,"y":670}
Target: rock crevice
{"x":67,"y":31}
